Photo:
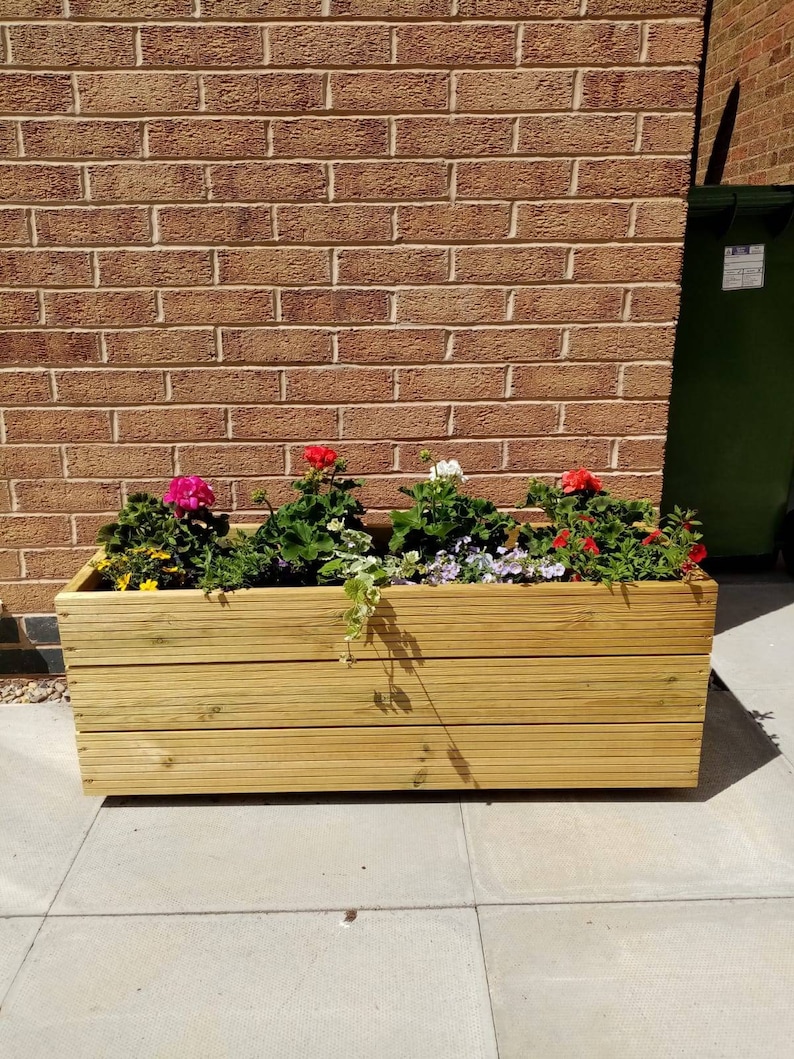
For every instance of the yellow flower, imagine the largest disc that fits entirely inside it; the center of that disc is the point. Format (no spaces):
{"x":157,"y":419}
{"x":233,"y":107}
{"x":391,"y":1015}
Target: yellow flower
{"x":138,"y":551}
{"x":170,"y":569}
{"x":148,"y":586}
{"x":157,"y":554}
{"x":103,"y":564}
{"x":123,"y":582}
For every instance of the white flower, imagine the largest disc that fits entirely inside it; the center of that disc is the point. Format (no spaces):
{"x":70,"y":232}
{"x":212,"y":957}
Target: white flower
{"x":446,"y":469}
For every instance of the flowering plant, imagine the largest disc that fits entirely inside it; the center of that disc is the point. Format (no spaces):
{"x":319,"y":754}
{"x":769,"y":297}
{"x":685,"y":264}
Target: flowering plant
{"x":189,"y":494}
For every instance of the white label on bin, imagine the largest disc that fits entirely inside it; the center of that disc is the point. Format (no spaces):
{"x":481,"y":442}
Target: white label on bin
{"x":744,"y":267}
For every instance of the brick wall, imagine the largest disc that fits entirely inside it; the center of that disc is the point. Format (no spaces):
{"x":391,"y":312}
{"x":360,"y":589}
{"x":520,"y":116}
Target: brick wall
{"x":752,"y":41}
{"x":235,"y":226}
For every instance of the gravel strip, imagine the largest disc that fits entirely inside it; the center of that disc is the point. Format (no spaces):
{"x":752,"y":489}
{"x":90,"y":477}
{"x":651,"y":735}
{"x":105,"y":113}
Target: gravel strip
{"x":20,"y":691}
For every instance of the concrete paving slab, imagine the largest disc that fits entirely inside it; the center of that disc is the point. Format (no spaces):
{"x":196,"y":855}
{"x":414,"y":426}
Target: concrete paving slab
{"x":754,"y":645}
{"x":16,"y":937}
{"x":773,"y":710}
{"x":291,"y":986}
{"x":712,"y":979}
{"x":45,"y":815}
{"x":249,"y":855}
{"x":731,"y":837}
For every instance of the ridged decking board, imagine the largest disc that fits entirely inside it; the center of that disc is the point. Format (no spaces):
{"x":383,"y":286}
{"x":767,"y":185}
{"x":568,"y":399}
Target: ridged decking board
{"x":463,"y":686}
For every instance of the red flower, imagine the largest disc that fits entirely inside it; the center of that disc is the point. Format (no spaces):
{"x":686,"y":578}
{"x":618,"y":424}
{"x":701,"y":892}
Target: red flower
{"x":581,"y":481}
{"x":319,"y":457}
{"x":589,"y":545}
{"x":576,"y":577}
{"x":561,"y":540}
{"x":655,"y":535}
{"x":687,"y":526}
{"x":698,"y":553}
{"x":586,"y":518}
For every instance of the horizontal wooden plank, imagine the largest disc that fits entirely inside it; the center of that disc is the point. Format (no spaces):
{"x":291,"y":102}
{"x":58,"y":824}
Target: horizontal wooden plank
{"x":461,"y":757}
{"x":412,"y":622}
{"x":327,"y":694}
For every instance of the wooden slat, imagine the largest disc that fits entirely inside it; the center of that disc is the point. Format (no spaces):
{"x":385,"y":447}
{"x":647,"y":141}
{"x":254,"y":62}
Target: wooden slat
{"x":456,"y":757}
{"x":420,"y":622}
{"x":327,"y":694}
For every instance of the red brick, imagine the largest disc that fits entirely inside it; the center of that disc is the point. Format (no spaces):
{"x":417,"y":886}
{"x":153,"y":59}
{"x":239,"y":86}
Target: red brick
{"x":621,"y":343}
{"x":262,"y":345}
{"x":398,"y":421}
{"x":395,"y":346}
{"x":334,"y":224}
{"x":30,"y":597}
{"x":639,"y":89}
{"x":224,"y":385}
{"x":463,"y":222}
{"x":563,"y":381}
{"x":245,"y":9}
{"x":451,"y":383}
{"x":509,"y":179}
{"x":649,"y":8}
{"x":627,"y":264}
{"x":660,"y":220}
{"x":201,"y":46}
{"x":92,"y":226}
{"x":568,"y":304}
{"x":454,"y":305}
{"x":31,"y":8}
{"x":33,"y":183}
{"x":632,"y":178}
{"x":53,"y":495}
{"x":176,"y":424}
{"x":55,"y":563}
{"x":393,"y":266}
{"x":145,"y":182}
{"x":265,"y":181}
{"x":329,"y":45}
{"x":120,"y":8}
{"x":9,"y":565}
{"x":506,"y":344}
{"x":567,"y":43}
{"x":518,"y":8}
{"x":56,"y":425}
{"x":473,"y":456}
{"x":108,"y":387}
{"x":13,"y":228}
{"x":640,"y":454}
{"x":330,"y":137}
{"x":504,"y":420}
{"x":367,"y":458}
{"x":391,"y":8}
{"x":214,"y":306}
{"x":287,"y":266}
{"x":268,"y":93}
{"x":572,"y":221}
{"x":231,"y":459}
{"x":24,"y":387}
{"x":616,"y":418}
{"x":577,"y":134}
{"x":675,"y":42}
{"x":138,"y":92}
{"x":19,"y":307}
{"x":389,"y":92}
{"x":334,"y":306}
{"x":99,"y":308}
{"x":48,"y":347}
{"x":667,"y":133}
{"x":390,"y":180}
{"x":214,"y":224}
{"x":152,"y":268}
{"x":455,"y":45}
{"x":26,"y":531}
{"x":514,"y":90}
{"x":509,"y":264}
{"x":646,"y":381}
{"x":208,"y":138}
{"x":26,"y":93}
{"x":284,"y":424}
{"x":30,"y":461}
{"x":72,"y":45}
{"x":45,"y":268}
{"x":119,"y":461}
{"x":8,"y":140}
{"x":539,"y":455}
{"x":339,"y":385}
{"x":655,"y":304}
{"x":159,"y":346}
{"x":453,"y":137}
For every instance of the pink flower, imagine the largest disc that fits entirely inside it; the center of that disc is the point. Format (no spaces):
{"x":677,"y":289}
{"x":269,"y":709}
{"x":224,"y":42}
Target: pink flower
{"x":189,"y":494}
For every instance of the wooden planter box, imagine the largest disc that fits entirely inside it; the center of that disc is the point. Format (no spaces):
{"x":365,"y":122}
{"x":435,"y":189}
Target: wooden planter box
{"x":462,"y":686}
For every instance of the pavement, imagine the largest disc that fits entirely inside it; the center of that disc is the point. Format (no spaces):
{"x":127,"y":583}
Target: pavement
{"x":540,"y":925}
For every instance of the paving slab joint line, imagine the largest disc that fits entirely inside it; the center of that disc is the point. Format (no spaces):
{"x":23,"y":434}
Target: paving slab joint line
{"x":479,"y":927}
{"x":23,"y":961}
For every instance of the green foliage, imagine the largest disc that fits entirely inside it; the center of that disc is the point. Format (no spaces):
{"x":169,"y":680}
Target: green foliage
{"x":238,"y":562}
{"x":441,"y":515}
{"x":603,"y":538}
